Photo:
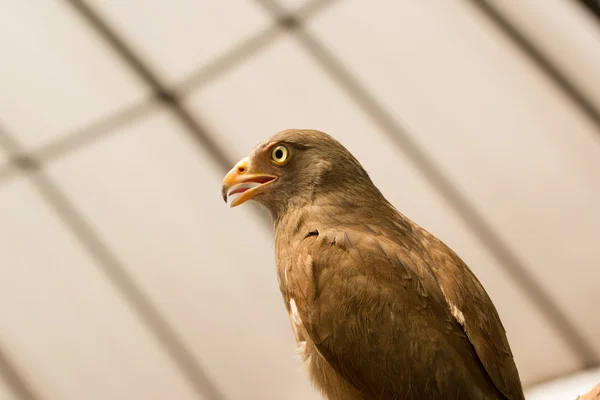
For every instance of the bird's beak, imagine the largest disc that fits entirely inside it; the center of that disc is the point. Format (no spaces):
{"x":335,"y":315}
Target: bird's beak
{"x":245,"y":185}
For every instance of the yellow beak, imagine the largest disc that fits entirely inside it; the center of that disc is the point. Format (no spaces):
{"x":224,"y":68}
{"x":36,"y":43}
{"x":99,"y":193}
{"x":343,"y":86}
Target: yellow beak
{"x":238,"y":182}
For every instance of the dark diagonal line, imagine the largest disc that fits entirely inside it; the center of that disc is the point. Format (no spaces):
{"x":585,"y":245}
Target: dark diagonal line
{"x":8,"y":143}
{"x":139,"y":301}
{"x":245,"y":50}
{"x":87,"y":135}
{"x":73,"y":141}
{"x":17,"y":384}
{"x":312,"y":8}
{"x":586,"y":105}
{"x":592,"y":6}
{"x":170,"y":100}
{"x":168,"y":97}
{"x":8,"y":169}
{"x":113,"y":269}
{"x":444,"y":186}
{"x":228,"y":61}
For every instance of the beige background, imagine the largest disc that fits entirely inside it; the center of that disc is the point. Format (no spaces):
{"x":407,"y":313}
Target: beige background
{"x":123,"y":275}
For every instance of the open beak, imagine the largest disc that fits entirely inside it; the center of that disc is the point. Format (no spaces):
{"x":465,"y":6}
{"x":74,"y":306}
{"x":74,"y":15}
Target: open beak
{"x":243,"y":186}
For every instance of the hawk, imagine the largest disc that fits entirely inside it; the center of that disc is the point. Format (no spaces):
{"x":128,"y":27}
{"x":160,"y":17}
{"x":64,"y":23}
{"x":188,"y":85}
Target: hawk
{"x":381,"y":309}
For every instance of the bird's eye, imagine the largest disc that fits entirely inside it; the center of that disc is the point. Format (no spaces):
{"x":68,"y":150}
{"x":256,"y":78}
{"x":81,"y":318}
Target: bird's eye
{"x":280,"y":154}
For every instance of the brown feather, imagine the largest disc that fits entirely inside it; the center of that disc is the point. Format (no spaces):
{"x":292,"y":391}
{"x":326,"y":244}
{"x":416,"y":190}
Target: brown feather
{"x":382,"y":309}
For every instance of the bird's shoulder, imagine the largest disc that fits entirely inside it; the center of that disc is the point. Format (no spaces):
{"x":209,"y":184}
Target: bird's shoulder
{"x":371,"y":311}
{"x":357,"y":256}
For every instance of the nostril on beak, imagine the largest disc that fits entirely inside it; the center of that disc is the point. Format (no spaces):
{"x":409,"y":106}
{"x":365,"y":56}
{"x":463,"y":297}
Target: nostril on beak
{"x":241,"y":169}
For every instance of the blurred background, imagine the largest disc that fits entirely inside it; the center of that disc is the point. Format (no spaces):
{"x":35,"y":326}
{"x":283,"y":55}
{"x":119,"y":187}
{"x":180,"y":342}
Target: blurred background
{"x":123,"y":275}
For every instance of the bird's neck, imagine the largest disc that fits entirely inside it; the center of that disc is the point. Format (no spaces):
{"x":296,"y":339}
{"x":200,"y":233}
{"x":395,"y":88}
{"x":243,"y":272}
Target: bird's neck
{"x":299,"y":218}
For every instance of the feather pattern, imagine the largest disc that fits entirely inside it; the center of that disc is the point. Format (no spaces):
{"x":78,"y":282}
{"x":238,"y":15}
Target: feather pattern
{"x":380,"y":308}
{"x":395,"y":312}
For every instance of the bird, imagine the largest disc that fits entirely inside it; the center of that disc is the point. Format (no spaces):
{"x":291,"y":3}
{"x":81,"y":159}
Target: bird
{"x":380,"y":308}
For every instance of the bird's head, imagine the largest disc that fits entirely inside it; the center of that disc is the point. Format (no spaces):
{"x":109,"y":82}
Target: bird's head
{"x":294,"y":167}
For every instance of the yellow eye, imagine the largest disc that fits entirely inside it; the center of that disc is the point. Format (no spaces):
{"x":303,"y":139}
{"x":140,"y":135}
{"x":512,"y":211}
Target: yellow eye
{"x":280,"y":154}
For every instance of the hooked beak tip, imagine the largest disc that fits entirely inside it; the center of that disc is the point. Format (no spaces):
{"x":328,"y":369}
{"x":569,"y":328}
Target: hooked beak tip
{"x":224,"y":192}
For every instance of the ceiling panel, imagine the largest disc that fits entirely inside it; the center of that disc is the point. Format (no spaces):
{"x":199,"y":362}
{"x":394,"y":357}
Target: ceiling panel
{"x":566,"y":33}
{"x":280,"y":89}
{"x":58,"y":76}
{"x":60,"y":319}
{"x":524,"y":155}
{"x":179,"y":38}
{"x":157,"y":201}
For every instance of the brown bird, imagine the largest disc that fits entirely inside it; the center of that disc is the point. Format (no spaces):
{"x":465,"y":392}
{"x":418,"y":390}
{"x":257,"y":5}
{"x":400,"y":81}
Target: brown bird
{"x":380,"y":308}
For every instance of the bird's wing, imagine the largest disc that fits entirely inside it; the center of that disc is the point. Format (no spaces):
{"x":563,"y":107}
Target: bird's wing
{"x":473,"y":309}
{"x":379,"y":318}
